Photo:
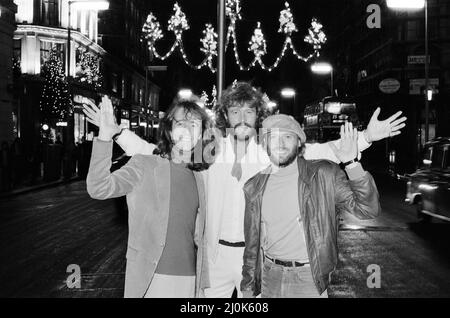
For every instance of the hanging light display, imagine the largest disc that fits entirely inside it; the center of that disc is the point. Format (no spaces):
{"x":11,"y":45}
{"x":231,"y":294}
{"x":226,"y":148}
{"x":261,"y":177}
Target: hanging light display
{"x":178,"y":23}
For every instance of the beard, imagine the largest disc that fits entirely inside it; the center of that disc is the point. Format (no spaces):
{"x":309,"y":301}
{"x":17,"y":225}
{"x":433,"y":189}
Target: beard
{"x":284,"y":162}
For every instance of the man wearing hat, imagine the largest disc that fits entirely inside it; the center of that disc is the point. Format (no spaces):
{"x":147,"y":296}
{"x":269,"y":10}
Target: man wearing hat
{"x":291,"y":214}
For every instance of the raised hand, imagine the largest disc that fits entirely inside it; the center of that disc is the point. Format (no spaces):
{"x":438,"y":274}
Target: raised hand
{"x":377,"y":130}
{"x":102,"y":117}
{"x":92,"y":113}
{"x":348,"y":144}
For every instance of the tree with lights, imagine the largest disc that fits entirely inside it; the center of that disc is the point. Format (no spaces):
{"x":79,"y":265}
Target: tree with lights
{"x":88,"y":69}
{"x":55,"y":103}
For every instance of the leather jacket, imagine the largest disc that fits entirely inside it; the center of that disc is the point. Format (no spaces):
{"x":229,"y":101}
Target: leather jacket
{"x":323,"y":192}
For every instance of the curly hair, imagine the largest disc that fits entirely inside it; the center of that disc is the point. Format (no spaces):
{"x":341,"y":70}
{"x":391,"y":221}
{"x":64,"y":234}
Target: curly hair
{"x":238,"y":94}
{"x":207,"y":146}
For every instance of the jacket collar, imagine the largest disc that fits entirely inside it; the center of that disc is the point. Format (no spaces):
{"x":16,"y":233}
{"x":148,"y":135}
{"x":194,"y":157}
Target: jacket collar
{"x":259,"y":182}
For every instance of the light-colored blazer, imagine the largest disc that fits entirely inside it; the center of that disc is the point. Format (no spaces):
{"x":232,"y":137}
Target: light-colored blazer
{"x":255,"y":161}
{"x":145,"y":180}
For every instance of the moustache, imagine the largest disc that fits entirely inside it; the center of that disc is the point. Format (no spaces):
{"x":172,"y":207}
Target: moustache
{"x":242,"y":124}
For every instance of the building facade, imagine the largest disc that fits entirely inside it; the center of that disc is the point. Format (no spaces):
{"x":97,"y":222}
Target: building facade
{"x":363,"y":56}
{"x":98,"y":62}
{"x":7,"y":27}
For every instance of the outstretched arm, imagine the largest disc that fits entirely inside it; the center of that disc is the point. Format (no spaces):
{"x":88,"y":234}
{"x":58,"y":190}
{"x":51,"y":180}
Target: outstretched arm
{"x":126,"y":139}
{"x":376,"y":130}
{"x":101,"y":183}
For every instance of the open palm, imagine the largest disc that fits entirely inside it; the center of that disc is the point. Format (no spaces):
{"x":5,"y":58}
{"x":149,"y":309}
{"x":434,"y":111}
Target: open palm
{"x":348,"y":144}
{"x":380,"y":129}
{"x":102,"y":117}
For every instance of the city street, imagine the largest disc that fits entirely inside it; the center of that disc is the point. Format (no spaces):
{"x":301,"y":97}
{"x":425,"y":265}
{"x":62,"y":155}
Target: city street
{"x":42,"y":233}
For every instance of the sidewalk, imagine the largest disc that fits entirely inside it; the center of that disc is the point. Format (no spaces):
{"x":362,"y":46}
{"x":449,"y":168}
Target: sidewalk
{"x":39,"y":186}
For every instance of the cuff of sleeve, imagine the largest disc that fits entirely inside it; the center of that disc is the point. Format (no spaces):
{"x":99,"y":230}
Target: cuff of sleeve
{"x":355,"y":172}
{"x":364,"y":142}
{"x":101,"y":146}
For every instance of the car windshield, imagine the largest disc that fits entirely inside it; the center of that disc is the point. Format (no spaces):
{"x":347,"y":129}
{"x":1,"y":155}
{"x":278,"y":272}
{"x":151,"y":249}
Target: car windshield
{"x":436,"y":157}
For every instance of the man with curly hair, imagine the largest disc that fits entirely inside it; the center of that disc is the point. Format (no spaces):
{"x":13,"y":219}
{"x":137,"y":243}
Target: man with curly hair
{"x":239,"y":116}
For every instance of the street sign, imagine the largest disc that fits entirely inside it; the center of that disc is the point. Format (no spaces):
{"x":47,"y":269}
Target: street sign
{"x":157,"y":68}
{"x":417,"y":59}
{"x":417,"y":86}
{"x":389,"y":86}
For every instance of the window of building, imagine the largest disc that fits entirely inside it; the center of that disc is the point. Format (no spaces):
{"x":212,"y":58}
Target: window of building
{"x":444,"y":27}
{"x":50,"y":12}
{"x":47,"y":47}
{"x":414,"y":30}
{"x":124,"y":91}
{"x":17,"y":51}
{"x":141,"y":96}
{"x":24,"y":11}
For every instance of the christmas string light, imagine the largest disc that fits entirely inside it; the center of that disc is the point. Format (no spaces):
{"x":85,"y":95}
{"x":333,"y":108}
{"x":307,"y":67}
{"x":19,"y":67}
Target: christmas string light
{"x":258,"y":43}
{"x":88,"y":68}
{"x":316,"y":36}
{"x":178,"y":23}
{"x":56,"y":102}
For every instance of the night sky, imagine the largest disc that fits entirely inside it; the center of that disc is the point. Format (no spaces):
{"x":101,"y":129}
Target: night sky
{"x":291,"y":71}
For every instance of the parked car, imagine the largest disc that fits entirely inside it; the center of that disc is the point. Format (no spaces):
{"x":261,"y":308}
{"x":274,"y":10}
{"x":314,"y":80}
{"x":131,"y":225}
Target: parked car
{"x":429,"y":187}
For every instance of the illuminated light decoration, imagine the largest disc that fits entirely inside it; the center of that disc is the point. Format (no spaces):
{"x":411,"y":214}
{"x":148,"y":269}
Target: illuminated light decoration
{"x":179,"y":23}
{"x":45,"y":127}
{"x":55,"y":103}
{"x":205,"y":98}
{"x":258,"y":44}
{"x":61,"y":124}
{"x":88,"y":69}
{"x":233,"y":10}
{"x":209,"y":43}
{"x":211,"y":114}
{"x":286,"y":20}
{"x":152,"y":30}
{"x":316,"y":36}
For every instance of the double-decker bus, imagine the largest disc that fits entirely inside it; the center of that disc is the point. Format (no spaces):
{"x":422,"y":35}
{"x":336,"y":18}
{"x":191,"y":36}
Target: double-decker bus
{"x":323,"y":119}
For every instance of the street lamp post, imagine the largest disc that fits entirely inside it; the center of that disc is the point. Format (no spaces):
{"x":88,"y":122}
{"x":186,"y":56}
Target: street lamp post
{"x":322,"y":69}
{"x":221,"y":48}
{"x":414,"y":5}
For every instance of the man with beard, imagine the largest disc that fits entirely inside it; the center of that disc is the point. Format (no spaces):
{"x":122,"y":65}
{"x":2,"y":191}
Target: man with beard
{"x":238,"y":117}
{"x":292,"y":207}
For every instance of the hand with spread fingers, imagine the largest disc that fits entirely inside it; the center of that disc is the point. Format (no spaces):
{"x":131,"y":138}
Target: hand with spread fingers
{"x":380,"y":129}
{"x":348,"y":144}
{"x":103,"y":117}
